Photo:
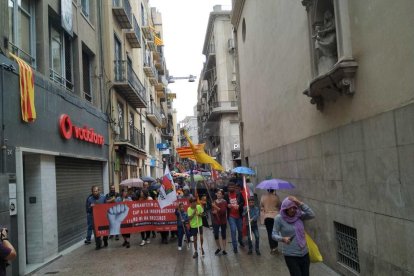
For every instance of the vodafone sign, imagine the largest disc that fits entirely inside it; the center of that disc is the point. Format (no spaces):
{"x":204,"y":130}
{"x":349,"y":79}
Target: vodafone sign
{"x":67,"y":130}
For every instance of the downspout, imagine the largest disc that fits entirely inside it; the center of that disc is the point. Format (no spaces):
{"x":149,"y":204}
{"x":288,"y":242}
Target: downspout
{"x":238,"y":94}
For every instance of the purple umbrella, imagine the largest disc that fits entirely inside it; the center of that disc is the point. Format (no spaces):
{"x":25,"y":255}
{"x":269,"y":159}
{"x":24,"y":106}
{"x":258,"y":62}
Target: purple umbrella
{"x":275,"y":184}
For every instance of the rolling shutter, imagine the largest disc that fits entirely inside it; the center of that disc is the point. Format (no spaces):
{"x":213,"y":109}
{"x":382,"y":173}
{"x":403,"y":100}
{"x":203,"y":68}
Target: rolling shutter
{"x":74,"y":179}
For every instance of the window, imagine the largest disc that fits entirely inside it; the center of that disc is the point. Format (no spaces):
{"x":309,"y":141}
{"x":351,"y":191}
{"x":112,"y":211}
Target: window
{"x":85,"y":8}
{"x":118,"y":58}
{"x":87,"y":82}
{"x":144,"y":23}
{"x":131,"y":126}
{"x":60,"y":58}
{"x":120,"y":108}
{"x":21,"y":29}
{"x":347,"y":246}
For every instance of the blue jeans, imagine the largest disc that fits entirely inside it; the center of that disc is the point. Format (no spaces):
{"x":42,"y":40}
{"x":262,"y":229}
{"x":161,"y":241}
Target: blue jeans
{"x":180,"y":234}
{"x":255,"y":233}
{"x":236,"y":225}
{"x":89,"y":219}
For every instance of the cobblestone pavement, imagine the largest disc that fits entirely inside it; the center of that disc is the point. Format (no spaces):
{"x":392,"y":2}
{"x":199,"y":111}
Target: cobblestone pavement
{"x":164,"y":259}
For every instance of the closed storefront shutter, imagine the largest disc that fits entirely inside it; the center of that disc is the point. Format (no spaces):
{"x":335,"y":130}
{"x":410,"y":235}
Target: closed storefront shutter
{"x":74,"y":179}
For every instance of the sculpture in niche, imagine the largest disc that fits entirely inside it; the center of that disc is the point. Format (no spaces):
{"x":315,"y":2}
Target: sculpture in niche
{"x":325,"y":43}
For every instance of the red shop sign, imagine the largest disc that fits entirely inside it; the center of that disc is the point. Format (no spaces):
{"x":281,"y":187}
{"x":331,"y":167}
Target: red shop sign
{"x":67,"y":130}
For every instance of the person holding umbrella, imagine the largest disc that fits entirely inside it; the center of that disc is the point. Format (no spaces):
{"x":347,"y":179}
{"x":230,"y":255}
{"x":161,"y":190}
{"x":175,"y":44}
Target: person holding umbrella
{"x":289,"y":229}
{"x":269,"y":208}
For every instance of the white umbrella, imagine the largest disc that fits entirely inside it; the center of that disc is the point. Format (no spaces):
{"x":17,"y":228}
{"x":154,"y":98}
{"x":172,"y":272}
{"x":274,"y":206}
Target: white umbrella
{"x":132,"y":182}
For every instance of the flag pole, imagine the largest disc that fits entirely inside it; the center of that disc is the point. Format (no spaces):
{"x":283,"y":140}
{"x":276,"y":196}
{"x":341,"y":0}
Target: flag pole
{"x":247,"y":206}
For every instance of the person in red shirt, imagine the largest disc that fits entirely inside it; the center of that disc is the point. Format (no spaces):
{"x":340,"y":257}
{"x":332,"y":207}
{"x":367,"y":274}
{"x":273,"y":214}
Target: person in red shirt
{"x":219,"y":220}
{"x":235,"y":204}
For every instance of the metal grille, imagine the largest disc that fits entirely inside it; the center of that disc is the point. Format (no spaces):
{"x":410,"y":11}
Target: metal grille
{"x":347,"y":246}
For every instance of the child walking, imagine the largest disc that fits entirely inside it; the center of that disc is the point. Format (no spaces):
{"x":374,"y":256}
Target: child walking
{"x":254,"y":216}
{"x":195,"y":213}
{"x":182,"y":220}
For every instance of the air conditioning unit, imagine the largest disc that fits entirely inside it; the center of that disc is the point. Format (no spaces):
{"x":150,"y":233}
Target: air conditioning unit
{"x":230,"y":44}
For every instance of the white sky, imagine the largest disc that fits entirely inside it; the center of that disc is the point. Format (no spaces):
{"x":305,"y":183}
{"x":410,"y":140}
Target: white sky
{"x":184,"y":29}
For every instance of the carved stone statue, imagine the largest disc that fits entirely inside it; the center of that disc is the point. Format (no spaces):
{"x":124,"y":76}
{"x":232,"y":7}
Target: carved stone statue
{"x":325,"y":43}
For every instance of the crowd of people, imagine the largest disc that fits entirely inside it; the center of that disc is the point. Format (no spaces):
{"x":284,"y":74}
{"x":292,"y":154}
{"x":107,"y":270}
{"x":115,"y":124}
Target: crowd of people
{"x":217,"y":206}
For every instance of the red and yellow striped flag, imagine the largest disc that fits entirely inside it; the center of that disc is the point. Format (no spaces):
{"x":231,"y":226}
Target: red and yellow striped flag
{"x":26,"y":77}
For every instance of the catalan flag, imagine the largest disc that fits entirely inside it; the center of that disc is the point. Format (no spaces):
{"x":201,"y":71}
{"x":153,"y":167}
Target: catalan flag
{"x":158,"y":41}
{"x":26,"y":78}
{"x":201,"y":156}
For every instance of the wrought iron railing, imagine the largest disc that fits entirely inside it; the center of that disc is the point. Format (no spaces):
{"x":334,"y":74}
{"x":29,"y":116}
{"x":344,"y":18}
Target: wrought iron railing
{"x":125,"y":73}
{"x":137,"y":29}
{"x":123,"y":4}
{"x":224,"y":104}
{"x":154,"y":110}
{"x":137,"y":138}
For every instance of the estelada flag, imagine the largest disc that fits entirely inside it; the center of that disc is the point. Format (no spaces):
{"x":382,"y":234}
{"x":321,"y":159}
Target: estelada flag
{"x":26,"y":78}
{"x":167,"y":193}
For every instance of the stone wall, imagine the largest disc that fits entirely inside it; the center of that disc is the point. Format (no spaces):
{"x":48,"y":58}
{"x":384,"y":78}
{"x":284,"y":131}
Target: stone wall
{"x":359,"y":175}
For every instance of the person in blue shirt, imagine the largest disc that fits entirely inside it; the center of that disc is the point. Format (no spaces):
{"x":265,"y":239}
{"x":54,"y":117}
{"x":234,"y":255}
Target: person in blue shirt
{"x":95,"y":198}
{"x":254,"y":214}
{"x":182,"y":221}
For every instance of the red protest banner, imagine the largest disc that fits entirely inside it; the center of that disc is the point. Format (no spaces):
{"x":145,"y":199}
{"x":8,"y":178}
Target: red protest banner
{"x":134,"y":216}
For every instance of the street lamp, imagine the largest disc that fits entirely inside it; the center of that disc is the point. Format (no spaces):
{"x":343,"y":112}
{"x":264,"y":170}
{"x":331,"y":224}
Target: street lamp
{"x":190,"y":78}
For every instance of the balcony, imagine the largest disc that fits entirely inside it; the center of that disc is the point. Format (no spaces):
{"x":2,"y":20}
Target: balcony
{"x":151,"y":73}
{"x":154,"y":115}
{"x":128,"y":85}
{"x":161,"y":86}
{"x":211,"y":56}
{"x":167,"y":134}
{"x":134,"y":35}
{"x":218,"y":108}
{"x":135,"y":140}
{"x":147,"y":30}
{"x":122,"y":12}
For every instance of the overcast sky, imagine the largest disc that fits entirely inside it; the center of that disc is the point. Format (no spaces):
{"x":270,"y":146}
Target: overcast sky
{"x":184,"y":28}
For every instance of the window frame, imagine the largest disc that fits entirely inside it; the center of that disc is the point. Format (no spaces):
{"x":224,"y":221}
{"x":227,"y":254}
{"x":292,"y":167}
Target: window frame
{"x":14,"y":37}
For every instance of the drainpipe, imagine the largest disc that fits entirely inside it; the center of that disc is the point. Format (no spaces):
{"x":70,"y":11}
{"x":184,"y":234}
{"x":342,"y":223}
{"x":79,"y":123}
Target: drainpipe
{"x":8,"y":67}
{"x":238,"y":94}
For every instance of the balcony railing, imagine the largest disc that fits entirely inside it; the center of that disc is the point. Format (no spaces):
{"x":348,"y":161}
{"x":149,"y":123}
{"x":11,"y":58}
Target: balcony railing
{"x":22,"y":54}
{"x":134,"y":35}
{"x":150,"y":72}
{"x":123,"y":13}
{"x":135,"y":138}
{"x":154,"y":115}
{"x":128,"y":84}
{"x":57,"y":78}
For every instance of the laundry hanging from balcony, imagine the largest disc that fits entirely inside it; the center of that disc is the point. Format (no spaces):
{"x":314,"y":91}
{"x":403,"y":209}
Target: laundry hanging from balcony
{"x":26,"y":79}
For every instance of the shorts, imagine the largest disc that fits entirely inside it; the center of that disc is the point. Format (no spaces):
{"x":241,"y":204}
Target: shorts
{"x":195,"y":231}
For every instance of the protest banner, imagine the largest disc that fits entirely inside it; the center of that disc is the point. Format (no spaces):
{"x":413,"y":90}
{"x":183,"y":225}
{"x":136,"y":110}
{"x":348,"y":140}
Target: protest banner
{"x":135,"y":216}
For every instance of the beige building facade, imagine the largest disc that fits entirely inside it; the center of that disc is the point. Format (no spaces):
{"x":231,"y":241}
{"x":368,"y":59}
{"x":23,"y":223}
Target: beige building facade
{"x":216,"y":103}
{"x":326,"y":103}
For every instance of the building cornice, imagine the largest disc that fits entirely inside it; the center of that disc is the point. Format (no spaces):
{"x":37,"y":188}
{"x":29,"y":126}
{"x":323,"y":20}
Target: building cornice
{"x":213,"y":16}
{"x":236,"y":12}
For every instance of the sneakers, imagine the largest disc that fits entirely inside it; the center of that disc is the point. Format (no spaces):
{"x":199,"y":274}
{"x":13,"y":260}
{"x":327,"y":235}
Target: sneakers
{"x":258,"y":253}
{"x":142,"y":243}
{"x":241,"y":243}
{"x":224,"y":252}
{"x":87,"y":242}
{"x":235,"y":250}
{"x":117,"y":238}
{"x":202,"y":251}
{"x":217,"y":251}
{"x":105,"y":243}
{"x":127,"y":245}
{"x":147,"y":241}
{"x":180,"y":248}
{"x":195,"y":255}
{"x":274,"y":251}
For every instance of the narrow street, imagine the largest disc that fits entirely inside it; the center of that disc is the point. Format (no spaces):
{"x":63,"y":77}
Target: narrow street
{"x":160,"y":259}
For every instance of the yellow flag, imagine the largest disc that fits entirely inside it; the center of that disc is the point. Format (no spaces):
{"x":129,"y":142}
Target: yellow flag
{"x":201,"y":156}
